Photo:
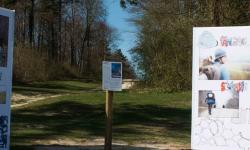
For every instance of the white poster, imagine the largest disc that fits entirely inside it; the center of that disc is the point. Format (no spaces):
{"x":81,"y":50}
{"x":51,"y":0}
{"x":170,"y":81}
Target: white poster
{"x":111,"y":76}
{"x":221,"y":92}
{"x":6,"y":58}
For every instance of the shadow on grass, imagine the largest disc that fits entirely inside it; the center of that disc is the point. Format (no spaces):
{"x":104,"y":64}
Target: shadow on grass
{"x":153,"y":115}
{"x":72,"y":119}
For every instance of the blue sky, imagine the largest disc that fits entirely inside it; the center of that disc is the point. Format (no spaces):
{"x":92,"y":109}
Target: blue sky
{"x":118,"y":18}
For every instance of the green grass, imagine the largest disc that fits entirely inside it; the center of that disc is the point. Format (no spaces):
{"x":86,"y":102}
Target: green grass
{"x":55,"y":87}
{"x":137,"y":117}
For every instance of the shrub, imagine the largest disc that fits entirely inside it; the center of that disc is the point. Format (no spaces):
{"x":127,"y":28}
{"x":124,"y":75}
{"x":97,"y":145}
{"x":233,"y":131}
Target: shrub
{"x":28,"y":65}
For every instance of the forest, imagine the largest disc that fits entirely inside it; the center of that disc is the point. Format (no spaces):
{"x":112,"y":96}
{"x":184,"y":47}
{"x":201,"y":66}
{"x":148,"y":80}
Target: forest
{"x":70,"y":38}
{"x":164,"y":47}
{"x":63,"y":39}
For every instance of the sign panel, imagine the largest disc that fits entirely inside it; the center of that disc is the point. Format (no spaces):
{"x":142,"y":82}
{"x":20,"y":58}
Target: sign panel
{"x":111,"y":76}
{"x":6,"y":58}
{"x":220,"y":93}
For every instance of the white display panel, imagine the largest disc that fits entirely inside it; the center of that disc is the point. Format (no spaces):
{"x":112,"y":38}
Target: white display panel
{"x":111,"y":76}
{"x":6,"y":59}
{"x":220,"y":92}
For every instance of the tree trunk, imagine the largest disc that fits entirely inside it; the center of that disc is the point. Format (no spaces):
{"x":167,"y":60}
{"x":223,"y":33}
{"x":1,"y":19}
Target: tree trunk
{"x":31,"y":23}
{"x":216,"y":19}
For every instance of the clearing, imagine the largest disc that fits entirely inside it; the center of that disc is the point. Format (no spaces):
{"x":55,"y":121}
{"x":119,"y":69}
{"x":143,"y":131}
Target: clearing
{"x":71,"y":115}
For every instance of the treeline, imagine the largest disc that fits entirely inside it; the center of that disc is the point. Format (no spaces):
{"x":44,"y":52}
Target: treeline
{"x":56,"y":39}
{"x":164,"y":48}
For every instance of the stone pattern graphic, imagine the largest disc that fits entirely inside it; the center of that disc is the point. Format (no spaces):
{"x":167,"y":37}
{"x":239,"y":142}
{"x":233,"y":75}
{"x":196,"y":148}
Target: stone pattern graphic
{"x":216,"y":132}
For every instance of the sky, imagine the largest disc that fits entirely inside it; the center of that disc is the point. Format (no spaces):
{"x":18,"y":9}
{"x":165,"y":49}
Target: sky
{"x":118,"y":18}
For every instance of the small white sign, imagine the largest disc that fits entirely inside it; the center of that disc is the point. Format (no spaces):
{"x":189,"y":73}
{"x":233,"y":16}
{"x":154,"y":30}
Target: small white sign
{"x":111,"y":76}
{"x":6,"y":59}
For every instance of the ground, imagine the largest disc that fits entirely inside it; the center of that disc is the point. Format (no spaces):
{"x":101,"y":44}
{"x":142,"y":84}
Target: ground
{"x":70,"y":115}
{"x":219,"y":112}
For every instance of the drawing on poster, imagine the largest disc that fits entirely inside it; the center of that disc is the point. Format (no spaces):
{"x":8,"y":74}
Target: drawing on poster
{"x":116,"y":69}
{"x":219,"y":104}
{"x":2,"y":97}
{"x":207,"y":40}
{"x":226,"y":58}
{"x":4,"y":26}
{"x":215,"y":132}
{"x":3,"y":131}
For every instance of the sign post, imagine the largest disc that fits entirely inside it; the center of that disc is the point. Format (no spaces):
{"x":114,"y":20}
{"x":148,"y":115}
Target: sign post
{"x":109,"y":111}
{"x":111,"y":81}
{"x":6,"y":59}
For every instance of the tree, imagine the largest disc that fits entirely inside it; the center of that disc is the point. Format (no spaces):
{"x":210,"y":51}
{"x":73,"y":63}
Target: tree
{"x":164,"y":49}
{"x":127,"y":70}
{"x":123,"y":3}
{"x":68,"y":36}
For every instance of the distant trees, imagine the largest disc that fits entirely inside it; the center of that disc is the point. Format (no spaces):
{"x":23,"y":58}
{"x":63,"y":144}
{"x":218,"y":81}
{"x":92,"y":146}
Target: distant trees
{"x":123,"y":3}
{"x":128,"y":70}
{"x":60,"y":38}
{"x":164,"y":49}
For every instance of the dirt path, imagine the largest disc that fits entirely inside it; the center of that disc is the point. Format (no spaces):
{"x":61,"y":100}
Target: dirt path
{"x":97,"y":144}
{"x":19,"y":100}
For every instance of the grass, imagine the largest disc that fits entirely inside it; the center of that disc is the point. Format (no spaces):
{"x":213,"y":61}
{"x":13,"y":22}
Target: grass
{"x":137,"y":117}
{"x":55,"y":87}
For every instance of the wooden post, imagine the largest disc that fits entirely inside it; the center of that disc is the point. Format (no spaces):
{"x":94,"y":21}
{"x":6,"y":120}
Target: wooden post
{"x":108,"y":135}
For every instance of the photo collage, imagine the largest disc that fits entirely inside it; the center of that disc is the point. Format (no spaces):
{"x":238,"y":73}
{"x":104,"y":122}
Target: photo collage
{"x":223,"y":61}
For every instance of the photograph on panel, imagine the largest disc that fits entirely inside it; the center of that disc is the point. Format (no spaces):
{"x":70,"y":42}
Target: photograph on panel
{"x":219,"y":104}
{"x":4,"y":26}
{"x":223,"y":57}
{"x":116,"y":70}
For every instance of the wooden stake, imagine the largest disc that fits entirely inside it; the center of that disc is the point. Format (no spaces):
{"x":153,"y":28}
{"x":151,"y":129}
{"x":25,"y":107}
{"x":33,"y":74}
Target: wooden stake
{"x":108,"y":135}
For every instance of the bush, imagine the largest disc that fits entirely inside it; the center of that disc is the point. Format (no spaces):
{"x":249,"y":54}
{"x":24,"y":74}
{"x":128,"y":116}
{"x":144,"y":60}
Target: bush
{"x":29,"y":65}
{"x":58,"y":71}
{"x":32,"y":65}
